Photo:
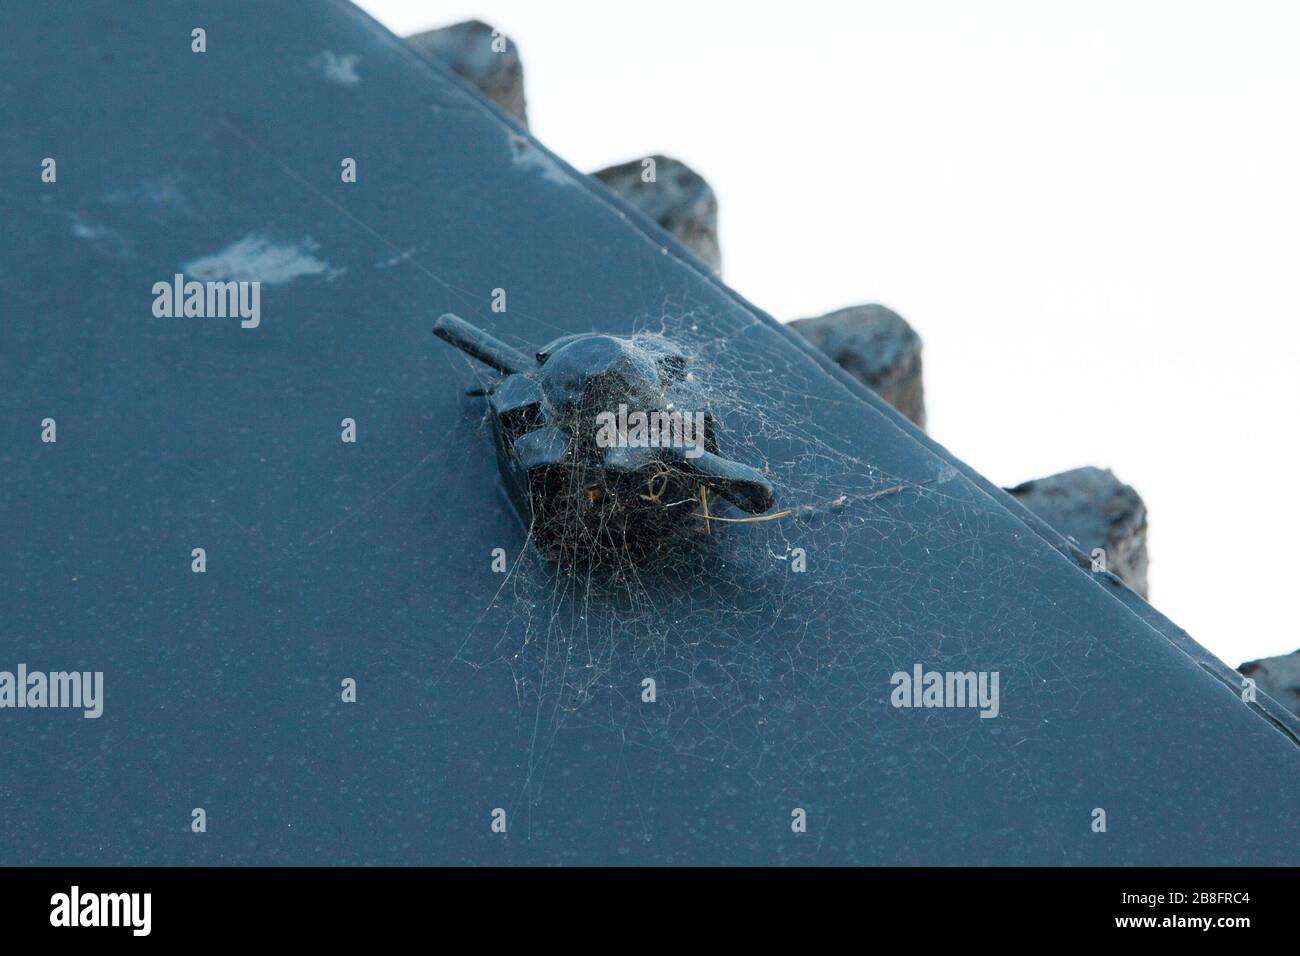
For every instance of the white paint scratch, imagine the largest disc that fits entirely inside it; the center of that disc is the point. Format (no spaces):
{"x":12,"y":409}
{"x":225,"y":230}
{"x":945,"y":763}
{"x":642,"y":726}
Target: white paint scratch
{"x":338,"y":69}
{"x":396,"y":260}
{"x":528,"y":156}
{"x":83,"y":231}
{"x":257,"y":259}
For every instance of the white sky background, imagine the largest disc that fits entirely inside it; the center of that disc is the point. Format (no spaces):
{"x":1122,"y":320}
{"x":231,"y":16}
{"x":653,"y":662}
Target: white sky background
{"x":1090,"y":212}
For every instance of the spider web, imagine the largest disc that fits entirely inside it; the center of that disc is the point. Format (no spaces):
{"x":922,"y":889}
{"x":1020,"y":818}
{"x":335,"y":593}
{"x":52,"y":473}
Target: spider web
{"x":581,"y":641}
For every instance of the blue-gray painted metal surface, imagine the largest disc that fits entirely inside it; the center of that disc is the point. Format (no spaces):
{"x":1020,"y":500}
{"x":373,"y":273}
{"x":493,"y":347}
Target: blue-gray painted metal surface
{"x":372,"y":560}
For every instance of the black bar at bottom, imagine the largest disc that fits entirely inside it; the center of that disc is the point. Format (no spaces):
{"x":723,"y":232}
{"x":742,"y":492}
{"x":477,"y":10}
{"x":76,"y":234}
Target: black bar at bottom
{"x":584,"y":906}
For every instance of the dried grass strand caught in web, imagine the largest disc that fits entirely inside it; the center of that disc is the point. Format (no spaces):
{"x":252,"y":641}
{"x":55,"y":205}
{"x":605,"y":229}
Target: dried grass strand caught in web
{"x":801,"y":509}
